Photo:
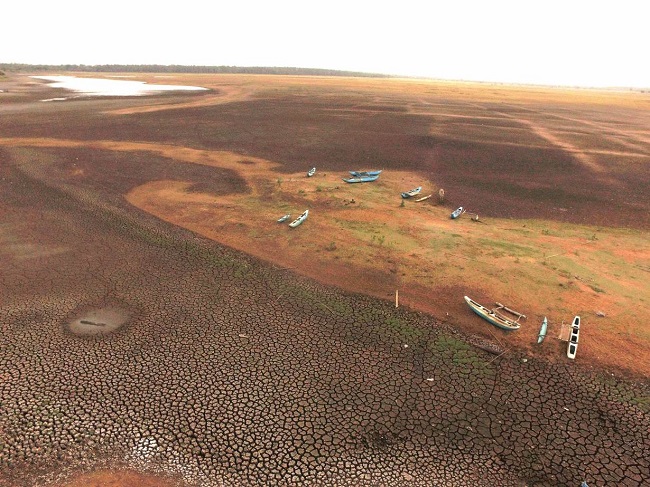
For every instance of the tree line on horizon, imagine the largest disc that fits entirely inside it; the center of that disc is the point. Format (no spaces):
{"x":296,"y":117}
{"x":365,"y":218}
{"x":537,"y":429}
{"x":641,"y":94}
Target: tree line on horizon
{"x":178,"y":68}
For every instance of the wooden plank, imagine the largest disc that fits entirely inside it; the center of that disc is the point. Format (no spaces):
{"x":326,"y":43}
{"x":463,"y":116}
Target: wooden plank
{"x":510,"y":310}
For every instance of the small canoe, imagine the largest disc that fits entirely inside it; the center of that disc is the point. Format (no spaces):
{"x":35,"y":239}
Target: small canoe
{"x":492,"y":317}
{"x":457,"y":212}
{"x":542,"y":331}
{"x":424,"y":198}
{"x":311,"y":172}
{"x":573,"y":338}
{"x":357,"y":174}
{"x":411,"y":193}
{"x":299,"y":220}
{"x":284,"y":218}
{"x":361,"y":179}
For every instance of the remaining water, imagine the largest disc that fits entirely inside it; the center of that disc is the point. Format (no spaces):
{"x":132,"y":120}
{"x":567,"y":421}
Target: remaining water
{"x":111,"y":87}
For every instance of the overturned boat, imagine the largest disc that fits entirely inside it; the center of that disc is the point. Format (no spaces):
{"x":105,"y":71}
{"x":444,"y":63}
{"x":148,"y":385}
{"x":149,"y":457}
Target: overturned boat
{"x":542,"y":331}
{"x":284,"y":218}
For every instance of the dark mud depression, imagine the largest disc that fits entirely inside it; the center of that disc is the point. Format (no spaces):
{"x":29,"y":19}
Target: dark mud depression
{"x":230,"y":371}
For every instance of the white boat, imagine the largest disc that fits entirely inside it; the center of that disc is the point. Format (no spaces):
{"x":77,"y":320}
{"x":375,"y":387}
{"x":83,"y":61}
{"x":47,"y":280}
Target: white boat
{"x":299,"y":220}
{"x":411,"y":193}
{"x":311,"y":172}
{"x":573,"y":338}
{"x":457,"y":212}
{"x":284,"y":218}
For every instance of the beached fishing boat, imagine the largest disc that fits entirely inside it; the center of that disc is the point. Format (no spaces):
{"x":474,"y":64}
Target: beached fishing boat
{"x":457,"y":212}
{"x":491,"y":316}
{"x":284,"y":218}
{"x":311,"y":172}
{"x":424,"y":198}
{"x":542,"y":331}
{"x":411,"y":193}
{"x":361,"y":179}
{"x":364,"y":173}
{"x":299,"y":220}
{"x":573,"y":338}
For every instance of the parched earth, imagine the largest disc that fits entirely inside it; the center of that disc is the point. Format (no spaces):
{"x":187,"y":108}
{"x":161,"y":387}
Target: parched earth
{"x":136,"y":352}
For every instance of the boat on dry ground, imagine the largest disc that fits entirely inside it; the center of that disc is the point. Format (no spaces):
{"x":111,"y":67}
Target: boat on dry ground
{"x":284,"y":218}
{"x":364,"y":173}
{"x":492,"y":316}
{"x":311,"y":172}
{"x":573,"y":338}
{"x":299,"y":220}
{"x":457,"y":212}
{"x":542,"y":331}
{"x":361,"y":179}
{"x":411,"y":193}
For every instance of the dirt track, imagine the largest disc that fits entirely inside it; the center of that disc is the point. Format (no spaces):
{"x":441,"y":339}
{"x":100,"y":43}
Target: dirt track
{"x":233,"y":370}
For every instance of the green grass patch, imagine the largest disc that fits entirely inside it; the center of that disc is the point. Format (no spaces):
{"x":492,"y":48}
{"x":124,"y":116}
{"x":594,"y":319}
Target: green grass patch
{"x":398,"y":329}
{"x":508,"y":248}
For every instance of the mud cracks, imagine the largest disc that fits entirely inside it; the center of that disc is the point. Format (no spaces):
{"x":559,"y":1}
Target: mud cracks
{"x":233,"y":372}
{"x":229,"y":371}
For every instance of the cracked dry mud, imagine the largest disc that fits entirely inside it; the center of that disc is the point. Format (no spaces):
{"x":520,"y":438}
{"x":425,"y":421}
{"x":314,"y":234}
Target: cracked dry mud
{"x":225,"y":370}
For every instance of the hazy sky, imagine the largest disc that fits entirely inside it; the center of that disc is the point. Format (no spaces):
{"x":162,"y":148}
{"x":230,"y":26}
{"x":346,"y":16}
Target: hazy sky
{"x":574,"y":42}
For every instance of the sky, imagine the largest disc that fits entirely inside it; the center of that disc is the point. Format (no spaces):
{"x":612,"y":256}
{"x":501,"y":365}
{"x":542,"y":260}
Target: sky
{"x":597,"y":43}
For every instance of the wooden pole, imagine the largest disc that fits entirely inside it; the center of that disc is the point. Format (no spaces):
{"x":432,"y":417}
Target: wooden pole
{"x":511,"y":310}
{"x":397,"y":298}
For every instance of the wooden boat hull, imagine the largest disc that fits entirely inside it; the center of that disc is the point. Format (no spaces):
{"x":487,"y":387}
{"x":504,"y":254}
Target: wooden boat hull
{"x":542,"y":331}
{"x":490,"y":316}
{"x":411,"y":193}
{"x":299,"y":220}
{"x":572,"y":348}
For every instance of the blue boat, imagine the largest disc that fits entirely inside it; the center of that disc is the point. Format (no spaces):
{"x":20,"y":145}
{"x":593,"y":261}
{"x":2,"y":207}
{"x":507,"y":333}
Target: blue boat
{"x":361,"y":179}
{"x":542,"y":331}
{"x":492,"y":316}
{"x":364,"y":173}
{"x":457,"y":212}
{"x":413,"y":192}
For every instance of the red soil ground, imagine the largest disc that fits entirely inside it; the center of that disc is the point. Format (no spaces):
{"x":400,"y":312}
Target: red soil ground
{"x":513,"y":154}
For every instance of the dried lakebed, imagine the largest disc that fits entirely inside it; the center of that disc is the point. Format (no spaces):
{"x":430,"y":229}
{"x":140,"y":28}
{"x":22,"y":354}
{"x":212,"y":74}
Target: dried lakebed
{"x":233,"y":372}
